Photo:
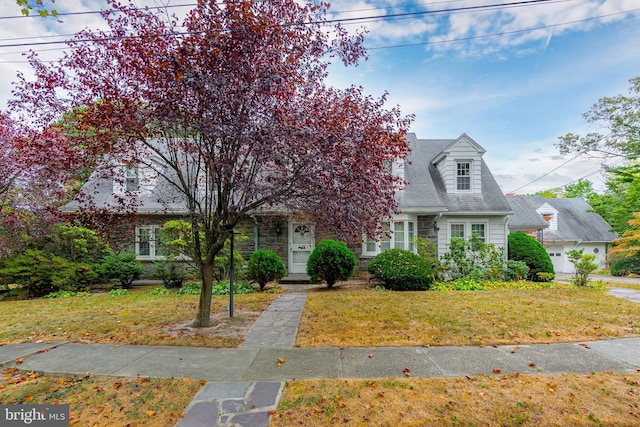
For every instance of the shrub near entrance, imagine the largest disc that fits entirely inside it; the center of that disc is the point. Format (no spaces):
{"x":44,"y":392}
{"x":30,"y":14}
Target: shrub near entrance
{"x":331,"y":261}
{"x":401,"y":270}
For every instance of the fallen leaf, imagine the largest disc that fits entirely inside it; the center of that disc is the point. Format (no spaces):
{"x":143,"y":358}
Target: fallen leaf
{"x":340,"y":357}
{"x":117,"y":384}
{"x":281,"y":360}
{"x":516,"y":375}
{"x":533,"y":365}
{"x":186,"y":380}
{"x":496,"y":370}
{"x":151,"y":413}
{"x":19,"y":361}
{"x":271,"y":412}
{"x":407,"y":372}
{"x":371,"y":356}
{"x":73,"y":421}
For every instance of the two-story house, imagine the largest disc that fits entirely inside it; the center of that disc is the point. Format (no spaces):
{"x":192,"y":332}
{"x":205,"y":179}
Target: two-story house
{"x":449,"y":192}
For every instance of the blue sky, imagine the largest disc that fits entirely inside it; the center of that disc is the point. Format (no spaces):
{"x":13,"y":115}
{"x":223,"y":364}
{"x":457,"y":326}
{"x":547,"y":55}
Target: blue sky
{"x":513,"y":93}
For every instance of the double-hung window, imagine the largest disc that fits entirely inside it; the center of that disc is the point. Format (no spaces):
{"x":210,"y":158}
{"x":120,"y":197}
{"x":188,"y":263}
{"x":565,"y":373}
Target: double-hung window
{"x":149,"y":242}
{"x":132,"y":181}
{"x":463,"y":176}
{"x":397,"y":235}
{"x":468,"y":230}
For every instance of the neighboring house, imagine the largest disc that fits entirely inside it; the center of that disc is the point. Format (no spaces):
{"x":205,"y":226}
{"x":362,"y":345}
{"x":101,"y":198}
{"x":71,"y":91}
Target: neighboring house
{"x":450,"y":193}
{"x":571,"y":224}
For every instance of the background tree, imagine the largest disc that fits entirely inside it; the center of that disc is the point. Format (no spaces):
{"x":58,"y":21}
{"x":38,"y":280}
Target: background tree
{"x":619,"y":116}
{"x":583,"y":189}
{"x":621,"y":198}
{"x":234,"y":106}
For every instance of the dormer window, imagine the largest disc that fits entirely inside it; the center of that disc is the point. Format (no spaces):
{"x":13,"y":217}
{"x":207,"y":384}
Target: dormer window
{"x":132,"y":181}
{"x":463,"y":176}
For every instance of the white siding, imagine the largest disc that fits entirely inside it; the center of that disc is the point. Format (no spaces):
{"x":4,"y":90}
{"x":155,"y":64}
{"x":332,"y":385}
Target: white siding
{"x":461,"y":152}
{"x":494,"y":229}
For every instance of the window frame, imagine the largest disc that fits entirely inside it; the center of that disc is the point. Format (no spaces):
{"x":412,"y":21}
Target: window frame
{"x":467,"y":177}
{"x":153,"y":241}
{"x":468,"y":226}
{"x":371,"y":248}
{"x":132,"y":179}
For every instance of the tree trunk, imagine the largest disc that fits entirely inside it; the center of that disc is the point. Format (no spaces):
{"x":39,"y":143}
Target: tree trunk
{"x":203,"y":318}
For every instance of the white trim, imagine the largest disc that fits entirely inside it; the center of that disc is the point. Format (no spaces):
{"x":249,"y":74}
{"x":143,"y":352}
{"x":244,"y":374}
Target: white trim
{"x":152,"y":242}
{"x":409,"y":232}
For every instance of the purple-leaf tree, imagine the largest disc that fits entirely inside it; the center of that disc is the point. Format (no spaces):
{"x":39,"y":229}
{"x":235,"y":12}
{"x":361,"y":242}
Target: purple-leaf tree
{"x":232,"y":107}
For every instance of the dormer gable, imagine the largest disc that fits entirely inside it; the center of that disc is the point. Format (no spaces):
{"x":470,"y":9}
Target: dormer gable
{"x":459,"y":165}
{"x":549,"y":214}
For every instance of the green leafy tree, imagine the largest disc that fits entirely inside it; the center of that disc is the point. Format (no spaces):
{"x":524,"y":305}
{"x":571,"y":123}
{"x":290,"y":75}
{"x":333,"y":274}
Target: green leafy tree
{"x":583,"y":264}
{"x":265,"y":266}
{"x":38,"y":6}
{"x":180,"y":244}
{"x":583,"y":189}
{"x":77,"y":244}
{"x":621,"y":198}
{"x":619,"y":116}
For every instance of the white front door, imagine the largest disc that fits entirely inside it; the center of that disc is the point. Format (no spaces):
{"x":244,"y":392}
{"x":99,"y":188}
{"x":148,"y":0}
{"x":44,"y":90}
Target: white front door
{"x":300,"y":246}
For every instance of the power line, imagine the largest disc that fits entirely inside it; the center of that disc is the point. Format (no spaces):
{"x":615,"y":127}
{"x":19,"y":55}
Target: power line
{"x":332,"y":21}
{"x":504,"y":33}
{"x":546,"y":174}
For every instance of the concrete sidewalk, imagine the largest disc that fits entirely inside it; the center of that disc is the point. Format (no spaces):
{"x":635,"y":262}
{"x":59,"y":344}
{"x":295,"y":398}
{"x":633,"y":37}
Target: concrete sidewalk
{"x":262,"y":364}
{"x":245,"y":383}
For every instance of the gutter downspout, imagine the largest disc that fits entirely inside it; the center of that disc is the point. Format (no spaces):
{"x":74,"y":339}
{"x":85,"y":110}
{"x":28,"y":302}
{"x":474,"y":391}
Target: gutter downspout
{"x":506,"y":238}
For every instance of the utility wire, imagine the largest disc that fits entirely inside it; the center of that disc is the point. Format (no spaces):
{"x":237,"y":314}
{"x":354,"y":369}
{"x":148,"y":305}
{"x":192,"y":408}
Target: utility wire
{"x":546,"y":174}
{"x":504,"y":33}
{"x":332,"y":21}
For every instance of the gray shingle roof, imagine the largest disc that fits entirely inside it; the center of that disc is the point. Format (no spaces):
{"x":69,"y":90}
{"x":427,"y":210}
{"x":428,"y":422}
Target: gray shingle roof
{"x":576,"y":221}
{"x":525,"y":217}
{"x":426,"y":190}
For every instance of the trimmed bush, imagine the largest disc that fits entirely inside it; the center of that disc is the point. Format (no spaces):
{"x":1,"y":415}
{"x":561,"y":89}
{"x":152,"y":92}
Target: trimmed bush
{"x":123,"y":267}
{"x":331,"y":261}
{"x":265,"y":266}
{"x":172,"y":273}
{"x":626,"y":266}
{"x":401,"y":270}
{"x":525,"y":248}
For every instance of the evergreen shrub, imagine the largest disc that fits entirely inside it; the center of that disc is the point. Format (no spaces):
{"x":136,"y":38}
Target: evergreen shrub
{"x":265,"y":266}
{"x":525,"y":248}
{"x":331,"y":260}
{"x":401,"y":270}
{"x":625,"y":266}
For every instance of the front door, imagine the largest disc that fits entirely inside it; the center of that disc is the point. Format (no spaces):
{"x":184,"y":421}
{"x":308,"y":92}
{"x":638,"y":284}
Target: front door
{"x":300,"y":246}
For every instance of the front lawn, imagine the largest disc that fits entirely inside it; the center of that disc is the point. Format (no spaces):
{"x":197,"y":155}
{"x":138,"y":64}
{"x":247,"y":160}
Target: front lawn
{"x":368,"y":318}
{"x":137,"y":318}
{"x":498,"y":400}
{"x":102,"y":401}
